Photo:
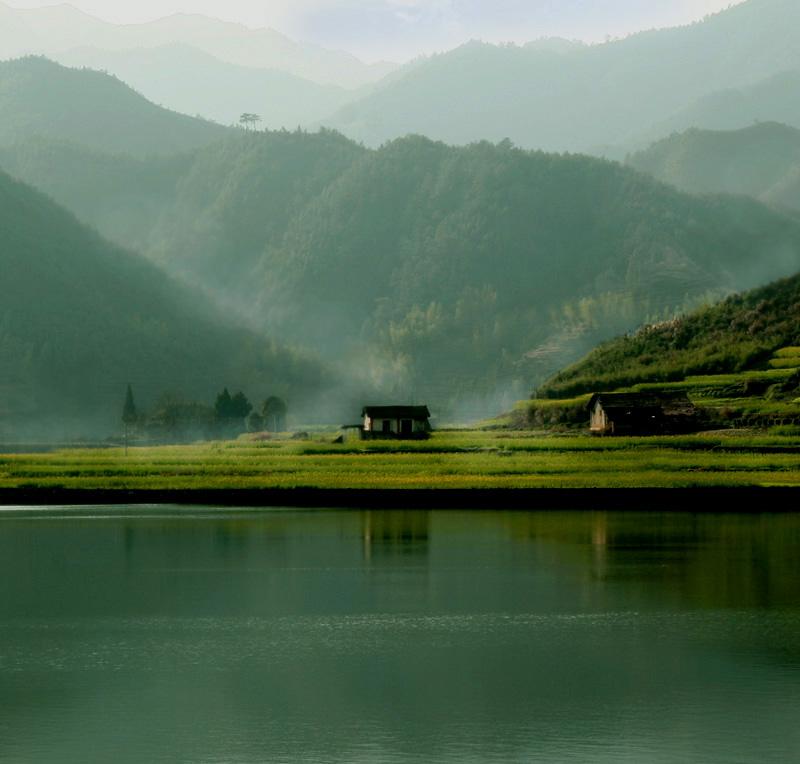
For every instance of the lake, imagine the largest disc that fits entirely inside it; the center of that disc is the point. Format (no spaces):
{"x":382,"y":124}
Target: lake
{"x":163,"y":634}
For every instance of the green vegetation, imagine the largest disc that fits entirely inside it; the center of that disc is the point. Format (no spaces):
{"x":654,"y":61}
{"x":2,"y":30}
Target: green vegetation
{"x":576,"y":97}
{"x":738,"y":336}
{"x":44,"y":98}
{"x":81,"y":318}
{"x":445,"y":271}
{"x":448,"y":460}
{"x":418,"y":270}
{"x":762,"y":161}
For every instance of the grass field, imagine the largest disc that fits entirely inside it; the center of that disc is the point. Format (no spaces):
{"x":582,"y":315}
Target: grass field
{"x":464,"y":459}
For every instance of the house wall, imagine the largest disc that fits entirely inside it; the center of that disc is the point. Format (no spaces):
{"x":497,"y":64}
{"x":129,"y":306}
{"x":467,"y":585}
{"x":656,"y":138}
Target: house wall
{"x":598,"y":420}
{"x":376,"y":425}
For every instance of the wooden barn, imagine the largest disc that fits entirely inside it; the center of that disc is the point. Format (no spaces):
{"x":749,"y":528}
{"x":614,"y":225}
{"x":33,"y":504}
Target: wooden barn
{"x":650,"y":413}
{"x":395,"y":422}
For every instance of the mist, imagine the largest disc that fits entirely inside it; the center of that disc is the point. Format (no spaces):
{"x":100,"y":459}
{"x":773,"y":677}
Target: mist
{"x":445,"y":233}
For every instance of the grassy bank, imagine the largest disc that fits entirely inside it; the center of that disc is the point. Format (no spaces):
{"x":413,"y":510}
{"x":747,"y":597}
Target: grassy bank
{"x":462,"y":460}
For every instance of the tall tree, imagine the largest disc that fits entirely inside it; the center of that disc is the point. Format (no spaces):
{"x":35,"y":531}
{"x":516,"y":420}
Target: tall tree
{"x":273,"y":410}
{"x":231,"y":410}
{"x":248,"y":119}
{"x":223,"y":405}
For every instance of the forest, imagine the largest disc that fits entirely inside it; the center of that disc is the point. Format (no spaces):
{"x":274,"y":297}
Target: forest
{"x":184,"y":257}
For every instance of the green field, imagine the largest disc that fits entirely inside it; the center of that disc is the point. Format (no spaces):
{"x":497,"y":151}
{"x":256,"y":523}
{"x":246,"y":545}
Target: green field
{"x":464,"y":459}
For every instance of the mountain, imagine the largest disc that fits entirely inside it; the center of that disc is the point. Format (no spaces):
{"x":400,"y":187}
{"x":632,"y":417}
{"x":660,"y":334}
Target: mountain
{"x":576,"y":98}
{"x":81,"y":318}
{"x":772,"y":99}
{"x":40,"y":97}
{"x":57,"y":29}
{"x":192,"y":81}
{"x":737,"y":334}
{"x":456,"y":263}
{"x":762,"y":160}
{"x":437,"y":272}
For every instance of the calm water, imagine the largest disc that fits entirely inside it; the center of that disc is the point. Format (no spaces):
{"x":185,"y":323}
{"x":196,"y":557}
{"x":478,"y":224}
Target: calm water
{"x":160,"y":635}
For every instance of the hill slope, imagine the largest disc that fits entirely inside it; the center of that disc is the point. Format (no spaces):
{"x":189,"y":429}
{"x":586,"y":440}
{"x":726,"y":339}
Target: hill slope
{"x":759,"y":160}
{"x":192,"y":81}
{"x":81,"y":318}
{"x":60,"y":28}
{"x":40,"y":97}
{"x":582,"y":97}
{"x":439,"y":272}
{"x":735,"y":335}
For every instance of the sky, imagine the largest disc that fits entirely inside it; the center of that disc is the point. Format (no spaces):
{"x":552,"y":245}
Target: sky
{"x":401,"y":29}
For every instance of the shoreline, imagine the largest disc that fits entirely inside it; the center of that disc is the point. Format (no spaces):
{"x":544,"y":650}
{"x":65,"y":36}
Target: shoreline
{"x":612,"y":499}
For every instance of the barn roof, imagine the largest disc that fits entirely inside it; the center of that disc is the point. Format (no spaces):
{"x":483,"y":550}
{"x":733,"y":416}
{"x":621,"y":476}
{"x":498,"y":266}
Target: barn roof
{"x":396,"y":412}
{"x":671,"y":403}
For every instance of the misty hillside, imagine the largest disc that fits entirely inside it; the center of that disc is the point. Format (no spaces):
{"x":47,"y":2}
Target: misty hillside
{"x":59,"y":29}
{"x":40,"y":97}
{"x":735,"y":335}
{"x":581,"y":97}
{"x":192,"y":81}
{"x":434,"y":270}
{"x":773,"y":99}
{"x":460,"y":261}
{"x":762,"y":160}
{"x":81,"y":318}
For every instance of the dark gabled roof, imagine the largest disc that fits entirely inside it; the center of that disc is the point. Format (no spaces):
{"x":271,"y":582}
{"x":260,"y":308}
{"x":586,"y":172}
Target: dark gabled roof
{"x":396,"y":412}
{"x":670,"y":403}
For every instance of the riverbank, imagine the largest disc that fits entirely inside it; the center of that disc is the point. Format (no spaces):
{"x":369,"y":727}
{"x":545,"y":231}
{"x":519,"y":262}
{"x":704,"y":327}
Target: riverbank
{"x":463,"y":469}
{"x":621,"y":499}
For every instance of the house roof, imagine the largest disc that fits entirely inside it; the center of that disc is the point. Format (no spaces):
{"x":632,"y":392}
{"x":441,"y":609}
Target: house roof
{"x":670,"y":403}
{"x":396,"y":412}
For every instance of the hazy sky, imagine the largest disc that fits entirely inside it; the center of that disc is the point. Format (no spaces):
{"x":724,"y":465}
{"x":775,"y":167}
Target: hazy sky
{"x":403,"y":28}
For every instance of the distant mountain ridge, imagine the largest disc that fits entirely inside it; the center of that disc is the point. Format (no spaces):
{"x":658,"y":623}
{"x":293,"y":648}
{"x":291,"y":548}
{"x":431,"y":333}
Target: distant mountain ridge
{"x":40,"y":97}
{"x":733,"y":67}
{"x":58,"y":29}
{"x":192,"y":81}
{"x":575,"y":101}
{"x":762,"y":160}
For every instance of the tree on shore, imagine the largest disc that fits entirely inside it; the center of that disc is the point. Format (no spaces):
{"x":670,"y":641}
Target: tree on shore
{"x":273,"y":411}
{"x":230,"y":411}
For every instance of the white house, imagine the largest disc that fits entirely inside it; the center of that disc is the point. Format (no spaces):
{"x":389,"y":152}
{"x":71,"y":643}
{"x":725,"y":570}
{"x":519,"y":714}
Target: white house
{"x":395,"y":422}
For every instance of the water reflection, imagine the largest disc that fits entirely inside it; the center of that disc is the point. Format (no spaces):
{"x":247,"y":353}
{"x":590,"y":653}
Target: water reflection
{"x":374,"y":636}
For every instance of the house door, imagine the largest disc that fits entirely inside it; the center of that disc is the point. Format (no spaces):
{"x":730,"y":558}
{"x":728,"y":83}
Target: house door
{"x":405,"y":427}
{"x":387,"y":425}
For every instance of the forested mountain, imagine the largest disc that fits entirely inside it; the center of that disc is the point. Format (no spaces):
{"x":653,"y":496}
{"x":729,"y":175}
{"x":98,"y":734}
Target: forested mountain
{"x":737,"y":334}
{"x":762,"y":160}
{"x":579,"y":97}
{"x":773,"y":99}
{"x":191,"y":81}
{"x":40,"y":97}
{"x":734,"y":67}
{"x":438,"y":272}
{"x":58,"y":29}
{"x":80,"y":318}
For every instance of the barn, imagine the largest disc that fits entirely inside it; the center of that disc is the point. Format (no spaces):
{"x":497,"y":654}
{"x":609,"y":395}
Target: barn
{"x":647,"y":413}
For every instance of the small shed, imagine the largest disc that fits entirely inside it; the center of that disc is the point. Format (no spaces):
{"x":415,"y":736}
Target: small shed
{"x":395,"y":422}
{"x":648,"y":413}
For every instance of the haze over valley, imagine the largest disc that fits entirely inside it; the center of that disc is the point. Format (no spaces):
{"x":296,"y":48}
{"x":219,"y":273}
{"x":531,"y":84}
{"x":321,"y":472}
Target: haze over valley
{"x":451,"y":230}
